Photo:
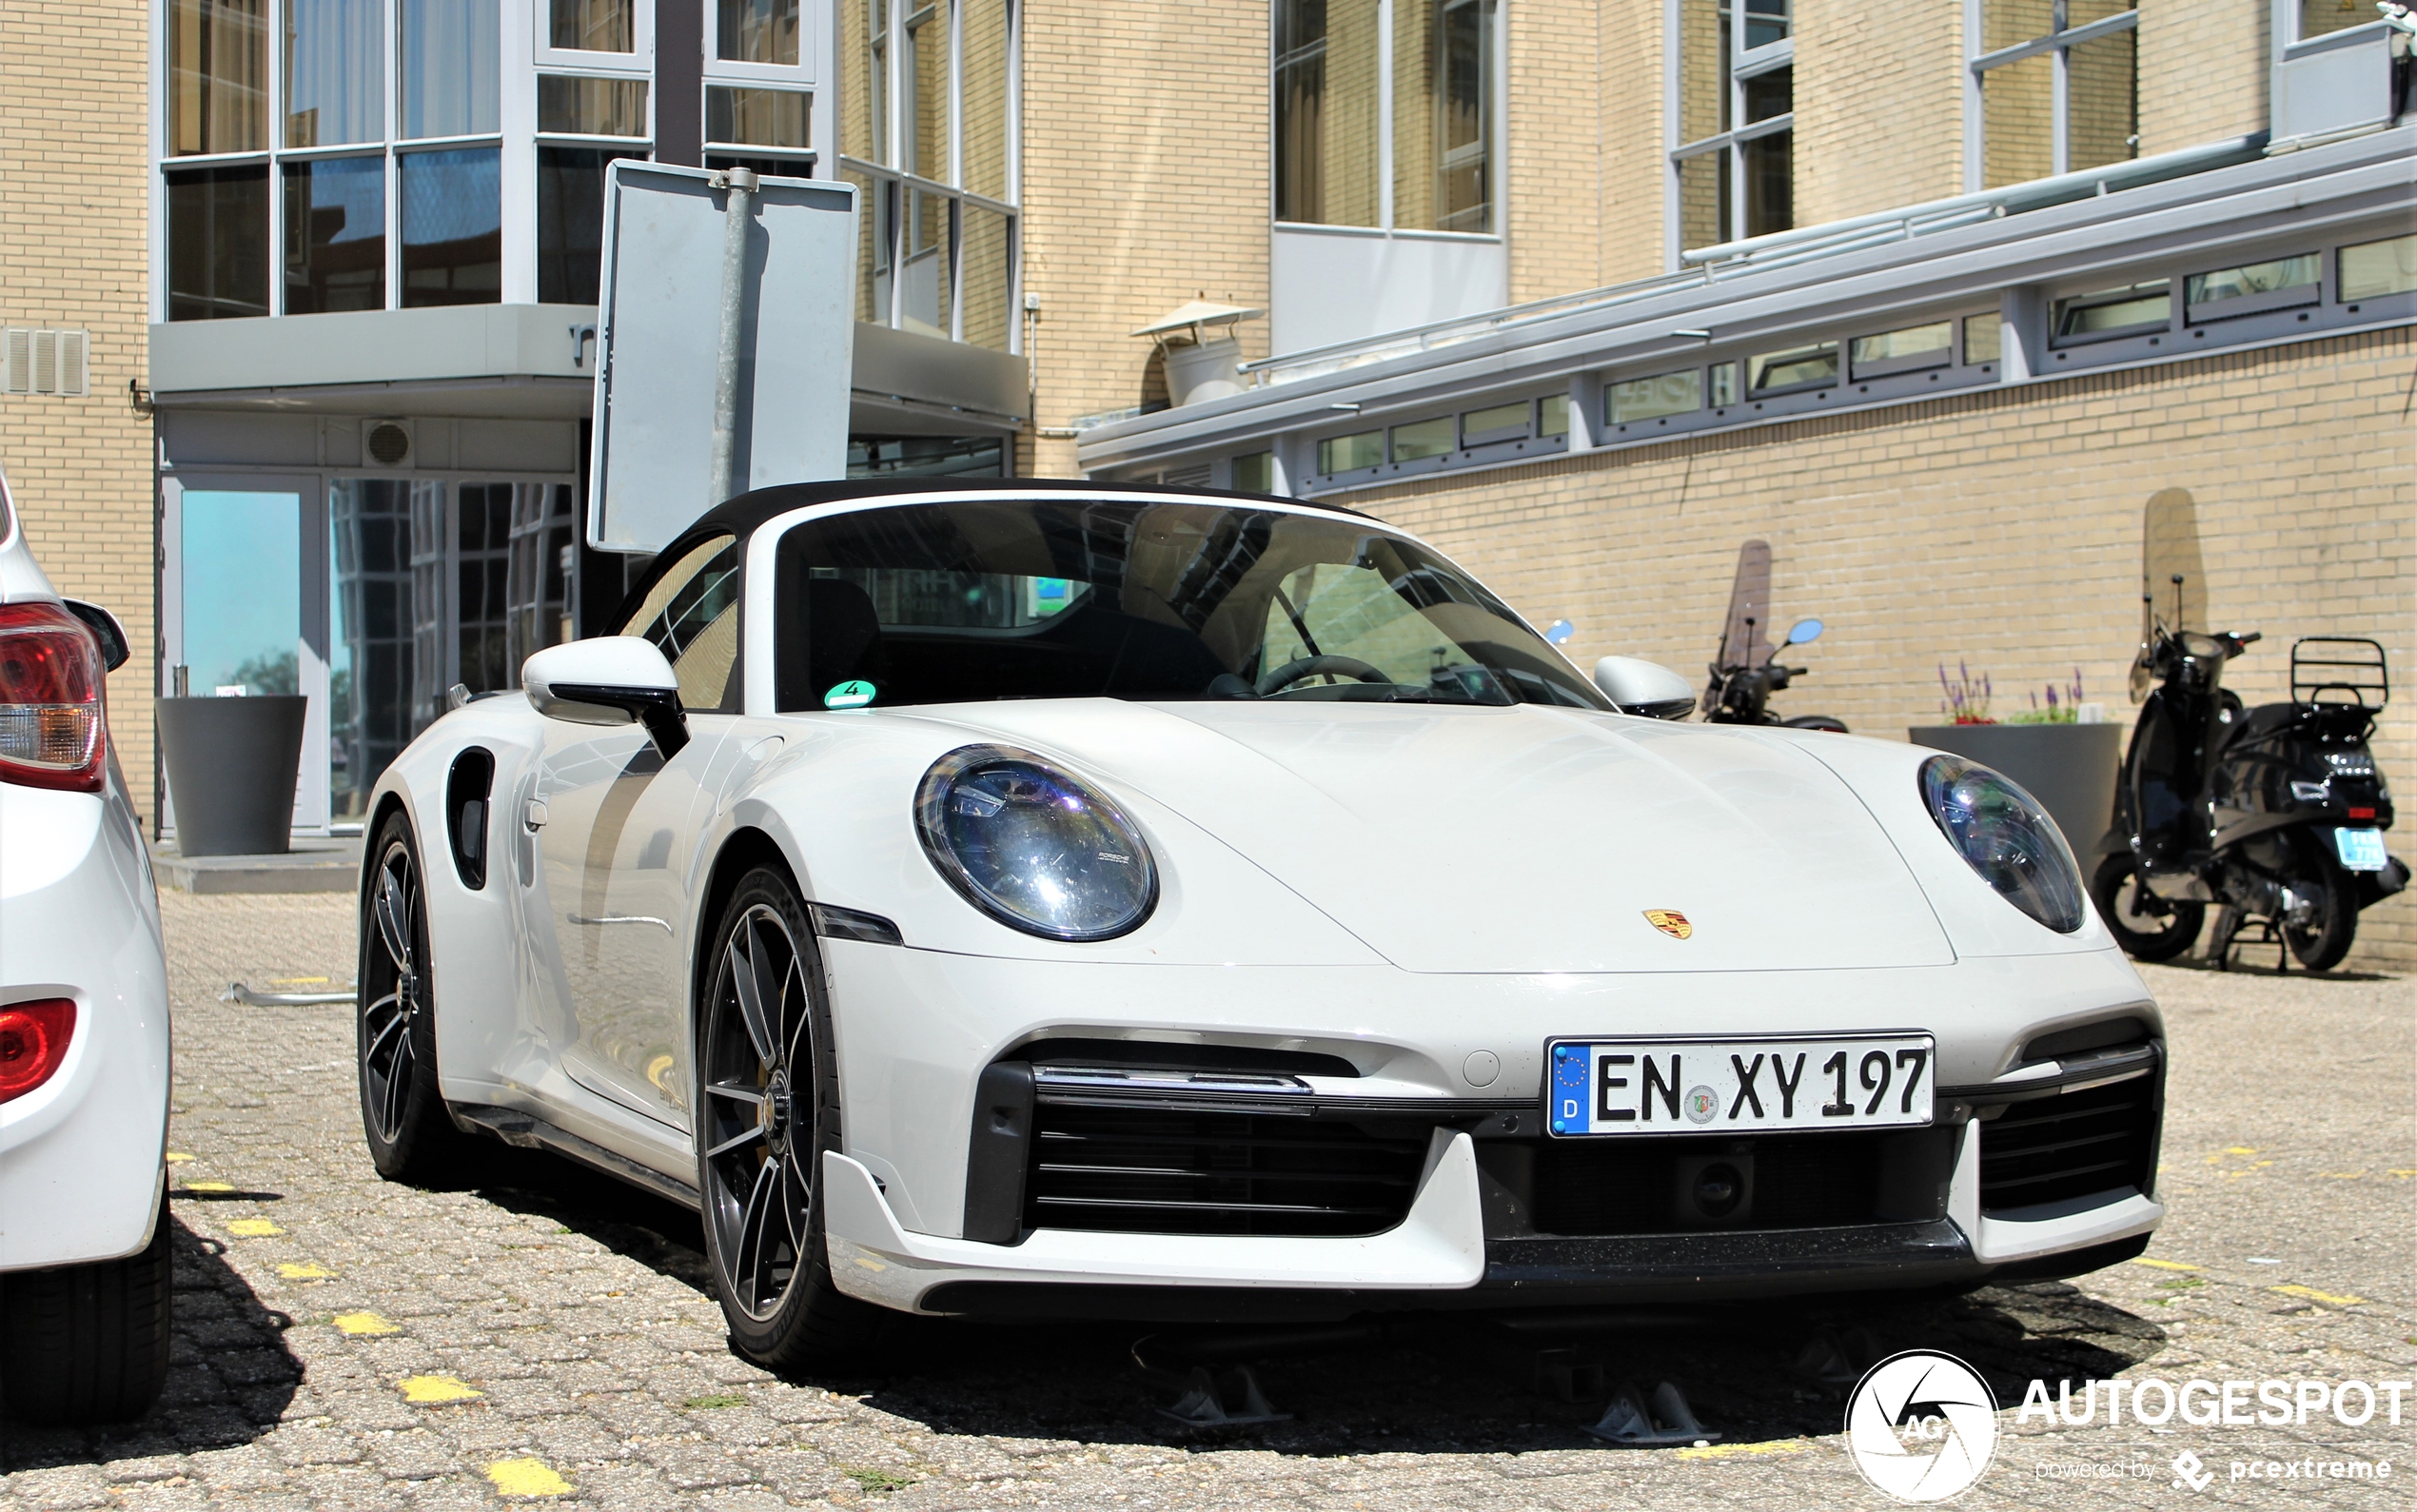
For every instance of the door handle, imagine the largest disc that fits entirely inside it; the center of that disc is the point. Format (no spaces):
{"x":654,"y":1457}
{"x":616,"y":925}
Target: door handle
{"x":534,"y":815}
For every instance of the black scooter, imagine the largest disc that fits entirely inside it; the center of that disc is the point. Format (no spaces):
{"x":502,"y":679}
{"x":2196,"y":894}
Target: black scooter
{"x":1746,"y":671}
{"x":2273,"y":814}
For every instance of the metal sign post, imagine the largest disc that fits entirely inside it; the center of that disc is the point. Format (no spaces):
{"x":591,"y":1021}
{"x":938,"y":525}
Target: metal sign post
{"x":725,"y":334}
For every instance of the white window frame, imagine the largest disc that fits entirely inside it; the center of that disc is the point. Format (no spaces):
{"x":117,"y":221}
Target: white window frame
{"x":2059,"y":42}
{"x":808,"y":76}
{"x":1498,"y":128}
{"x":637,"y":63}
{"x":1742,"y":65}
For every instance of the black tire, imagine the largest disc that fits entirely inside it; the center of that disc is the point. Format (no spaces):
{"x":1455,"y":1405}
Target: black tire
{"x":2320,"y":936}
{"x":764,"y":1058}
{"x":411,"y":1137}
{"x":88,"y":1343}
{"x":2148,"y":927}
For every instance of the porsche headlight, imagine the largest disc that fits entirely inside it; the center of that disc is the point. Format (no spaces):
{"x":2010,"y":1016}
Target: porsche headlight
{"x":1033,"y":847}
{"x":2007,"y":837}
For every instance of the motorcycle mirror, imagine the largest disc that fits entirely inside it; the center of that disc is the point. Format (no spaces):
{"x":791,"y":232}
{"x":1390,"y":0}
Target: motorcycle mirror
{"x":1804,"y":631}
{"x":1558,"y":632}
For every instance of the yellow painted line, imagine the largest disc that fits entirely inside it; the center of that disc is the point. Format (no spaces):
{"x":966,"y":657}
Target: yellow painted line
{"x":2402,"y":1174}
{"x":2162,"y":1265}
{"x":359,"y":1323}
{"x":293,"y":1272}
{"x":426,"y":1391}
{"x":2339,"y":1175}
{"x":2313,"y":1295}
{"x":1724,"y":1451}
{"x":253,"y":1229}
{"x":2240,"y":1149}
{"x":526,"y":1478}
{"x":177,"y":1157}
{"x":298,"y":981}
{"x":206,"y":1185}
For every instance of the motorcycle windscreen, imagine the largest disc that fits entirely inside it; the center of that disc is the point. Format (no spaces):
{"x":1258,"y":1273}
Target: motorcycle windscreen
{"x":1744,"y":637}
{"x":2173,"y":575}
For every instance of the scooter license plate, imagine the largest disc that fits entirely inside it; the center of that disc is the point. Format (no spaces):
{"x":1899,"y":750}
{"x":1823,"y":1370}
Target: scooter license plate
{"x":2360,"y":850}
{"x":1599,"y":1086}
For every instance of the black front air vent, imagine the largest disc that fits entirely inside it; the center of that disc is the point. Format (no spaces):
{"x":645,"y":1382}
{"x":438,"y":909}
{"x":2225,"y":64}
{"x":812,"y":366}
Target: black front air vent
{"x":1167,"y":1172}
{"x":2073,"y":1144}
{"x":1166,"y":1056}
{"x":467,"y":801}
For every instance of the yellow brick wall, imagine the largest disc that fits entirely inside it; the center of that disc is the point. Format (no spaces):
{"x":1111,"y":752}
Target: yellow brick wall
{"x":1633,"y":161}
{"x":1146,"y":185}
{"x":2203,"y":71}
{"x":74,"y":175}
{"x":1552,"y":181}
{"x":2001,"y":529}
{"x":1879,"y":106}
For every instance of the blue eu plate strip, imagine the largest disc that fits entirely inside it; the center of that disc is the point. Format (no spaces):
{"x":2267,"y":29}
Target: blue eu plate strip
{"x":1570,"y":1104}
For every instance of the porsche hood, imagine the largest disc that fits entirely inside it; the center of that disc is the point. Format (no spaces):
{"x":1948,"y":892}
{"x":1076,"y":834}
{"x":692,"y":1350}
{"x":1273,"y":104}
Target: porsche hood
{"x":1523,"y":839}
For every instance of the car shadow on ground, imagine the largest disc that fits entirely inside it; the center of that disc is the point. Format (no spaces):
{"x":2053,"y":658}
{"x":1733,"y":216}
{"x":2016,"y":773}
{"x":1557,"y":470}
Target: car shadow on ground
{"x":230,"y":1374}
{"x":1411,"y":1384}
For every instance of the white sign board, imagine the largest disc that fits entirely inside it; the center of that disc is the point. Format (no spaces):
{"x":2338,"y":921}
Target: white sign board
{"x":658,"y":338}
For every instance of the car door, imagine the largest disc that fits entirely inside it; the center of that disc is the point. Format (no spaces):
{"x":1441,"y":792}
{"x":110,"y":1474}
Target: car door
{"x":618,"y":833}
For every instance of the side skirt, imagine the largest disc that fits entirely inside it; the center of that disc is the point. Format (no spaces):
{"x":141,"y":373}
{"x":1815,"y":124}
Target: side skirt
{"x":530,"y":1133}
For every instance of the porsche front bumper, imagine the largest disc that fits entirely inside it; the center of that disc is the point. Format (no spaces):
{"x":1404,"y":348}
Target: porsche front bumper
{"x":915,"y":1222}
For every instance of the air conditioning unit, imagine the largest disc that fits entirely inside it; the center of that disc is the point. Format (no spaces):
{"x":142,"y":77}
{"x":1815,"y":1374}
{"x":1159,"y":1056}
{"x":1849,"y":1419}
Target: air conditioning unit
{"x":385,"y":442}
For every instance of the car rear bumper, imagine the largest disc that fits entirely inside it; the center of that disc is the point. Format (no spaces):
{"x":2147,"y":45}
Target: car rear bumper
{"x":80,"y":1155}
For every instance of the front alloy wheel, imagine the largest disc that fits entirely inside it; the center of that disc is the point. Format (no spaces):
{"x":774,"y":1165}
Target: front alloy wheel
{"x":767,"y":1112}
{"x":410,"y":1135}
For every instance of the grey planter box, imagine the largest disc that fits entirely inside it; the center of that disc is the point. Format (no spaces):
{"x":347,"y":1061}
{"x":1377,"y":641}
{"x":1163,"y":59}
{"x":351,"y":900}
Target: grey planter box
{"x":2071,"y":769}
{"x":231,"y":767}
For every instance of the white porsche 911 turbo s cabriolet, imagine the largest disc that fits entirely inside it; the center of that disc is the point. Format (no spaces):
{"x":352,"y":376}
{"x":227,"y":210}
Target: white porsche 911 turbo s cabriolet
{"x":1047,"y":899}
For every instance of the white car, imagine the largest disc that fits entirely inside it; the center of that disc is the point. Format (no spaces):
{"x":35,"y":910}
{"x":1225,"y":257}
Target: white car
{"x":1048,"y":898}
{"x":84,"y":1276}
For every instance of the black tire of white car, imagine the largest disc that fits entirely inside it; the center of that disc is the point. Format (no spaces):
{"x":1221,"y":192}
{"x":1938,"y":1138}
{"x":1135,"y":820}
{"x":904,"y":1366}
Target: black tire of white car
{"x":759,"y":1162}
{"x":88,"y":1343}
{"x":410,"y":1135}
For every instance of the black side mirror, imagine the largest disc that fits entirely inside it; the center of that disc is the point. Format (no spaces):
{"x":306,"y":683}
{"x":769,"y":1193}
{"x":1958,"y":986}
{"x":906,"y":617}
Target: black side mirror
{"x":115,"y":648}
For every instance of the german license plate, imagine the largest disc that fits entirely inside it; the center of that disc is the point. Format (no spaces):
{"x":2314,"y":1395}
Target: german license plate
{"x":2360,"y":850}
{"x":1601,"y":1087}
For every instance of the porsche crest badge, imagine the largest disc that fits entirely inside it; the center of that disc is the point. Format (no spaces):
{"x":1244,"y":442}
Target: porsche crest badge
{"x":1670,"y":922}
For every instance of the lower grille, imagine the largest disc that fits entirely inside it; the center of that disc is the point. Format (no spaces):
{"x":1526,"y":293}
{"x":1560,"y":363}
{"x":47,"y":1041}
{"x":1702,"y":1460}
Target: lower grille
{"x":1156,"y":1171}
{"x":1633,"y":1187}
{"x":2075,"y":1145}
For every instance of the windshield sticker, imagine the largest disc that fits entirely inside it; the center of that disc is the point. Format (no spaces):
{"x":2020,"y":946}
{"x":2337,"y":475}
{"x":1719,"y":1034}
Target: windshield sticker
{"x":847,"y":695}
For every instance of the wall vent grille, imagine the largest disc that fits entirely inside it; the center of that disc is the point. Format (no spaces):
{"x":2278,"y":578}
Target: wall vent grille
{"x":45,"y":362}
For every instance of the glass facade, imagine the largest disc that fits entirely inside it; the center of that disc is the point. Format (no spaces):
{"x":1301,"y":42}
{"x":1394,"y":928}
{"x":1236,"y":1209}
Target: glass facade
{"x":335,"y":235}
{"x":217,"y":243}
{"x":1734,"y":164}
{"x":451,"y":67}
{"x":452,"y":227}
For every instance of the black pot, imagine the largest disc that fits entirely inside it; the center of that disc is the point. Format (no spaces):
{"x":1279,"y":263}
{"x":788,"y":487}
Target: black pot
{"x":231,"y":768}
{"x":2070,"y":768}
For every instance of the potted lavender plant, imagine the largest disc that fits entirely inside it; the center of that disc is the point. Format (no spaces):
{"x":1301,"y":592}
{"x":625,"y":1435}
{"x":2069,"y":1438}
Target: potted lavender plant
{"x":2061,"y":749}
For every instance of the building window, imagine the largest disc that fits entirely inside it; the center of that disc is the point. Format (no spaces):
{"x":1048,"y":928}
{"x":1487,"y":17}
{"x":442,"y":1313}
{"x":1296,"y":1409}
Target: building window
{"x":570,"y":221}
{"x":774,"y":118}
{"x":450,"y":68}
{"x":591,"y":106}
{"x":1255,"y":473}
{"x":452,"y":227}
{"x":592,"y":26}
{"x":1336,"y":79}
{"x":218,"y":243}
{"x":2052,"y":88}
{"x":757,"y":32}
{"x":217,"y":76}
{"x":928,"y":138}
{"x":335,"y":235}
{"x":333,"y":59}
{"x":1733,"y":161}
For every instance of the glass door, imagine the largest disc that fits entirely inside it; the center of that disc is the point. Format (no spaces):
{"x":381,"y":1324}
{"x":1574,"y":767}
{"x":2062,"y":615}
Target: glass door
{"x":244,"y":608}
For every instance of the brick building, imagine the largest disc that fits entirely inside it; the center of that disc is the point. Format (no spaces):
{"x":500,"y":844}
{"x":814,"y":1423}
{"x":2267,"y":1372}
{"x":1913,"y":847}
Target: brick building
{"x":1930,"y":294}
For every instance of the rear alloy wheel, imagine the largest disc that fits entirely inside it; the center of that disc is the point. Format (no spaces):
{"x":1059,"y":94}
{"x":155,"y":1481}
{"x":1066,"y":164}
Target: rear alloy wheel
{"x":411,"y":1136}
{"x":768,"y":1110}
{"x":2322,"y":918}
{"x":88,"y":1343}
{"x":2148,"y":927}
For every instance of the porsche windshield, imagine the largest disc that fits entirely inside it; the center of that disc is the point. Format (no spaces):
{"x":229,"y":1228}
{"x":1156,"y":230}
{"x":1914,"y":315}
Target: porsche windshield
{"x":1063,"y":597}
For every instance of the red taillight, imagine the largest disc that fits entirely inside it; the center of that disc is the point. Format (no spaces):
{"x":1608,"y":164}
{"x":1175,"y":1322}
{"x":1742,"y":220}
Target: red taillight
{"x":52,"y":725}
{"x":33,"y":1040}
{"x":2362,"y":813}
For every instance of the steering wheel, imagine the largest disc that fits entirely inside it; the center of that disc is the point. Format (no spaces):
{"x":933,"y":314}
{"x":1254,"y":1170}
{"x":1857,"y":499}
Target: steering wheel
{"x":1292,"y":672}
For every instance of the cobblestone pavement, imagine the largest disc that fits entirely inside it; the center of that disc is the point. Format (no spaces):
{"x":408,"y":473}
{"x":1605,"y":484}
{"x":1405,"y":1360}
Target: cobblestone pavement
{"x":548,"y":1335}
